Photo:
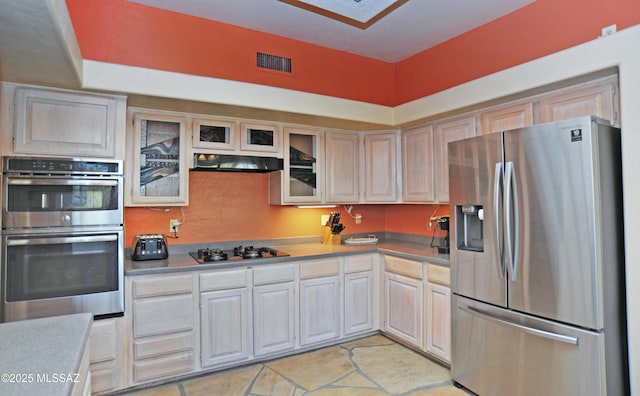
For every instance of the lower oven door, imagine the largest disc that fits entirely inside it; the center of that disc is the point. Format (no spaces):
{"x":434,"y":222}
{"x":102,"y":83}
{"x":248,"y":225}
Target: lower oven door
{"x":55,"y":274}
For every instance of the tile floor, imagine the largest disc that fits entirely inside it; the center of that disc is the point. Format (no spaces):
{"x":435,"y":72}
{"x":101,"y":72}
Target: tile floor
{"x":372,"y":366}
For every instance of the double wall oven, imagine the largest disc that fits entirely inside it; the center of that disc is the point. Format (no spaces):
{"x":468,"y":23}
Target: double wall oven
{"x":62,"y":237}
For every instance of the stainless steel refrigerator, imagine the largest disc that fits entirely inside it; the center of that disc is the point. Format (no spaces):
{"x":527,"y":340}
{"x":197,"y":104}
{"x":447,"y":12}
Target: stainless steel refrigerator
{"x":537,"y":261}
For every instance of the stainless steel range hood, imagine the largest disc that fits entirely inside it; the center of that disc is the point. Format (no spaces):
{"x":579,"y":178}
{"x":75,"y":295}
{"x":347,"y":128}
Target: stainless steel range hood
{"x":236,"y":163}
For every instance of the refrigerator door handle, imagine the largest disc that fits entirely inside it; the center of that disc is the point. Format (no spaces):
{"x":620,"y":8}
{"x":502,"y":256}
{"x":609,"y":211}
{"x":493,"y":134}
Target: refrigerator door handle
{"x":537,"y":332}
{"x":511,"y":201}
{"x":498,"y":182}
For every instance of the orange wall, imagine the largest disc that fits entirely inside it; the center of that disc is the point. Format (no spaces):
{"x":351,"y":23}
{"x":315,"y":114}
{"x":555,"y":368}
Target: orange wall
{"x":540,"y":29}
{"x":122,"y":32}
{"x":228,"y":206}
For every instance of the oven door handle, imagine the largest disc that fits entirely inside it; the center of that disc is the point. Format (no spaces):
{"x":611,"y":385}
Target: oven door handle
{"x":61,"y":182}
{"x":61,"y":240}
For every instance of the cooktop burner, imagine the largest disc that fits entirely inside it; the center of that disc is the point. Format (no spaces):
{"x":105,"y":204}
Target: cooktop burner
{"x":208,"y":255}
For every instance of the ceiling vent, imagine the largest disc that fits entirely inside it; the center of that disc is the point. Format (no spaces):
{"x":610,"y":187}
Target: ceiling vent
{"x":273,"y":62}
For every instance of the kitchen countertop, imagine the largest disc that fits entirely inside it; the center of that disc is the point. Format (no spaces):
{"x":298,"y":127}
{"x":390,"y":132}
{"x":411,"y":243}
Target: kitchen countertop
{"x":179,"y":259}
{"x":42,"y":356}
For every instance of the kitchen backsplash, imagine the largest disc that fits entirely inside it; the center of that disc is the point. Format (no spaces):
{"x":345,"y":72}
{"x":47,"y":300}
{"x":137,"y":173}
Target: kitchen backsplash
{"x":234,"y":206}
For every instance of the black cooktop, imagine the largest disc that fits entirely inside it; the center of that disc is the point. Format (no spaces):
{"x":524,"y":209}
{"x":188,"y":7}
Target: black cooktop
{"x":212,"y":255}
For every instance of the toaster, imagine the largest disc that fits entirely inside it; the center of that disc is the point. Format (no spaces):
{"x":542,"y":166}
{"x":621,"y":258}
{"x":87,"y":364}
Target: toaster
{"x":149,"y":247}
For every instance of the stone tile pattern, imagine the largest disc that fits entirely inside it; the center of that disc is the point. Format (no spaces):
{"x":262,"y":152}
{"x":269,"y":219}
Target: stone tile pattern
{"x":370,"y":366}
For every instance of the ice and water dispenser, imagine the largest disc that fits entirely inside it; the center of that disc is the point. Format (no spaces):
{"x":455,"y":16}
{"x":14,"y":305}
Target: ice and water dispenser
{"x":469,"y":236}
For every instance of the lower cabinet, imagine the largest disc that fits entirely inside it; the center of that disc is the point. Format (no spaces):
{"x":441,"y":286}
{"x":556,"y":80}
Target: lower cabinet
{"x":319,"y":301}
{"x":273,"y":310}
{"x":404,"y":308}
{"x":229,"y":317}
{"x":163,"y":325}
{"x":225,"y":317}
{"x":107,"y":361}
{"x":319,"y":310}
{"x":438,"y":323}
{"x":360,"y":307}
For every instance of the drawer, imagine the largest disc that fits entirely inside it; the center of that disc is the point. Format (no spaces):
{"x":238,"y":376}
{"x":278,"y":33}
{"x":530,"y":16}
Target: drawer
{"x":159,"y":315}
{"x":438,"y":274}
{"x":359,"y":263}
{"x":103,"y":340}
{"x":162,"y":286}
{"x":162,"y":345}
{"x":402,"y":266}
{"x":319,"y":268}
{"x":221,"y":280}
{"x":165,"y":366}
{"x":273,"y":274}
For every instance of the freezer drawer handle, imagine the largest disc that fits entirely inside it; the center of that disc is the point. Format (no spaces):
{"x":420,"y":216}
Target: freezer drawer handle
{"x":537,"y":332}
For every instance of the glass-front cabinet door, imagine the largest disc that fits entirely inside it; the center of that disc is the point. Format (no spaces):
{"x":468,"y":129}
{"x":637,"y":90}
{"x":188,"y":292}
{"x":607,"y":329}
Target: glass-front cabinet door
{"x":158,"y":169}
{"x":302,"y":165}
{"x":260,"y":137}
{"x":302,"y":180}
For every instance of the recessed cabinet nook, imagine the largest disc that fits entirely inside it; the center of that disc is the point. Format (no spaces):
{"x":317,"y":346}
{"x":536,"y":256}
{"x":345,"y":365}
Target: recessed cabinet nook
{"x":172,"y":325}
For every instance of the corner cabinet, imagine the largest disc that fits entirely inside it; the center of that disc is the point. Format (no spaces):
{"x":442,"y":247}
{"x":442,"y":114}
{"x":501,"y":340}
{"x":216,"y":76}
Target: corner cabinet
{"x":302,"y":180}
{"x":158,"y":166}
{"x":68,"y":123}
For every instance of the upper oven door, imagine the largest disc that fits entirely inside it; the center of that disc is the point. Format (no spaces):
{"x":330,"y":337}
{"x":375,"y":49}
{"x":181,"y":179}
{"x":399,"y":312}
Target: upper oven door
{"x":54,"y":201}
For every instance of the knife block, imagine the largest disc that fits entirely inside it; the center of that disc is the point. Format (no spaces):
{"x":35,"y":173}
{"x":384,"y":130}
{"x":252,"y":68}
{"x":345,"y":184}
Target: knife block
{"x":328,"y":238}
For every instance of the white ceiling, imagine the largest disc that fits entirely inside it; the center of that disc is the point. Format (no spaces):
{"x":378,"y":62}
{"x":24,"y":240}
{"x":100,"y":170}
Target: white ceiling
{"x":411,"y":28}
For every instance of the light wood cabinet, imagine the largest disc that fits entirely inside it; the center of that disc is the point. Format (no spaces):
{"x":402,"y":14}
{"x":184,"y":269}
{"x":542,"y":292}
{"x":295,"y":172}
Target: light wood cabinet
{"x":404,"y":308}
{"x":381,"y":167}
{"x":157,"y":165}
{"x":342,"y":151}
{"x":273,"y":309}
{"x":225,"y":324}
{"x":358,"y":302}
{"x":319,"y":310}
{"x":418,"y":164}
{"x":107,"y":357}
{"x":163,"y":326}
{"x":503,"y":118}
{"x":302,"y":180}
{"x":319,"y":301}
{"x":68,"y":123}
{"x":438,"y":323}
{"x":449,"y":131}
{"x":597,"y":98}
{"x":225,"y":317}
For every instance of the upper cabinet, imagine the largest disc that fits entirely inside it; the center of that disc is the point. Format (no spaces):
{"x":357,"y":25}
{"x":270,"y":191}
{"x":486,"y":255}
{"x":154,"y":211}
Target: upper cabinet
{"x":157,"y":166}
{"x":418,"y":164}
{"x":597,"y":98}
{"x":227,"y":136}
{"x":302,"y":180}
{"x":68,"y":123}
{"x":449,"y":131}
{"x":381,"y":170}
{"x":342,"y":167}
{"x":506,"y":117}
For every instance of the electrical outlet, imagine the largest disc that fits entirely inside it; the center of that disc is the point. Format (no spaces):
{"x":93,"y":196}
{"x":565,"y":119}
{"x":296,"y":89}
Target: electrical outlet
{"x":358,"y":218}
{"x":608,"y":31}
{"x":324,"y":219}
{"x":173,"y":225}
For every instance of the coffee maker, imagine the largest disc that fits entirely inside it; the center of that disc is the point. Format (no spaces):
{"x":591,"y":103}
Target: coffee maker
{"x":442,"y":223}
